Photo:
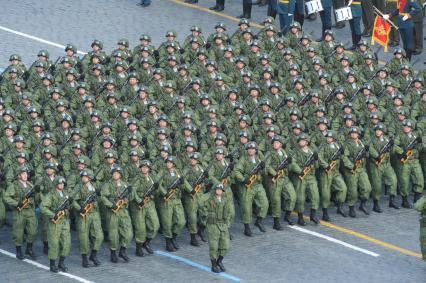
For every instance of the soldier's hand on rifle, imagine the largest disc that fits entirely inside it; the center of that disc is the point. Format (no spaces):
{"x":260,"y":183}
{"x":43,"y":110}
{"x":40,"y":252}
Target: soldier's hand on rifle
{"x":98,"y":192}
{"x":130,"y":189}
{"x":37,"y":188}
{"x":262,"y":164}
{"x":114,"y":206}
{"x":367,"y":147}
{"x":315,"y":155}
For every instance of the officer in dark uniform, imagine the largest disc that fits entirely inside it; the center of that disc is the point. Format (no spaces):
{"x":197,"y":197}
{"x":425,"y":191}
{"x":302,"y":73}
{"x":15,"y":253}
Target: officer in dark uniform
{"x":418,"y":29}
{"x":337,"y":4}
{"x":299,"y":11}
{"x":285,"y":10}
{"x":325,"y":15}
{"x":355,"y":23}
{"x":246,"y":9}
{"x":220,"y":6}
{"x":405,"y":23}
{"x":272,"y":8}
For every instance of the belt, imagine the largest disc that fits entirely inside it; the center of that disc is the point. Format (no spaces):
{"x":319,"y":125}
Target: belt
{"x":403,"y":14}
{"x":356,"y":3}
{"x":284,"y":2}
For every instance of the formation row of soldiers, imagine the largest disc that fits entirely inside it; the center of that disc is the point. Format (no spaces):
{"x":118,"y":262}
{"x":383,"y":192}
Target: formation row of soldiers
{"x":126,"y":143}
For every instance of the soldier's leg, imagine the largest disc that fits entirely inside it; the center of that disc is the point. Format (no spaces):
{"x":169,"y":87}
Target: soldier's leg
{"x":31,"y":225}
{"x":83,"y":234}
{"x":2,"y":211}
{"x":261,"y":201}
{"x":300,"y":196}
{"x":418,"y":36}
{"x":138,"y":219}
{"x":65,"y":239}
{"x":178,"y":219}
{"x":404,"y":179}
{"x":54,"y":233}
{"x":113,"y":235}
{"x":289,"y":195}
{"x":376,"y":181}
{"x":275,"y":200}
{"x":423,"y":237}
{"x":417,"y":177}
{"x":18,"y":228}
{"x":96,"y":233}
{"x":214,"y":235}
{"x":246,"y":203}
{"x":190,"y":207}
{"x":125,"y":229}
{"x":312,"y":190}
{"x":390,"y":180}
{"x":352,"y":185}
{"x":364,"y":186}
{"x":223,"y":243}
{"x":339,"y":186}
{"x":166,"y":214}
{"x":229,"y":195}
{"x":325,"y":189}
{"x":152,"y":222}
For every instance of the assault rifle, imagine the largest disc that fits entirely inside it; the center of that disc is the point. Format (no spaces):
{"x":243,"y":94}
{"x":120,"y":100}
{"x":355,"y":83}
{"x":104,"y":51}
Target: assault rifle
{"x":60,"y":211}
{"x":382,"y":154}
{"x":280,"y":169}
{"x":358,"y":159}
{"x":26,"y":199}
{"x":333,"y":160}
{"x":409,"y":150}
{"x":307,"y":167}
{"x":88,"y":204}
{"x":120,"y":200}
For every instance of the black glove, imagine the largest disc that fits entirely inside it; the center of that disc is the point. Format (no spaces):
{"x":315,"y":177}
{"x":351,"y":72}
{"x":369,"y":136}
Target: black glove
{"x":391,"y":142}
{"x":262,"y":164}
{"x":367,"y":147}
{"x":70,"y":199}
{"x":419,"y":139}
{"x":290,"y":159}
{"x":231,"y":166}
{"x":316,"y":155}
{"x":98,"y":192}
{"x":130,"y":189}
{"x":156,"y":185}
{"x":208,"y":45}
{"x":1,"y":158}
{"x":182,"y":51}
{"x":60,"y":168}
{"x":206,"y":174}
{"x":37,"y":188}
{"x":114,"y":206}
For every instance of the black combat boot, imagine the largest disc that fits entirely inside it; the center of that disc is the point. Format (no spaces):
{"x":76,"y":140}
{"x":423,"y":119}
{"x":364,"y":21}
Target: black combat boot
{"x":258,"y":223}
{"x":114,"y":257}
{"x":325,"y":215}
{"x":300,"y":219}
{"x":29,"y":251}
{"x":313,"y":216}
{"x":406,"y":203}
{"x":93,"y":258}
{"x":139,"y":250}
{"x":45,"y":248}
{"x":340,"y":210}
{"x":169,"y":245}
{"x":201,"y":233}
{"x":392,"y":202}
{"x":352,"y":212}
{"x":247,"y":230}
{"x":215,"y":268}
{"x":287,"y":217}
{"x":53,"y":267}
{"x":277,"y":224}
{"x":174,"y":242}
{"x":376,"y":206}
{"x":84,"y":261}
{"x":363,"y":207}
{"x":417,"y":196}
{"x":220,"y":5}
{"x":194,"y":242}
{"x":61,"y":264}
{"x":220,"y":264}
{"x":123,"y":254}
{"x":147,"y":247}
{"x":19,"y":254}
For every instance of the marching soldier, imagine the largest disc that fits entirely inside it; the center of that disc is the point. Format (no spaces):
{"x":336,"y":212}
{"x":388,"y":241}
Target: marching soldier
{"x":22,"y":196}
{"x":142,"y":208}
{"x":89,"y":227}
{"x":248,"y":172}
{"x":420,"y":206}
{"x":115,"y":195}
{"x":55,"y":206}
{"x":172,"y":215}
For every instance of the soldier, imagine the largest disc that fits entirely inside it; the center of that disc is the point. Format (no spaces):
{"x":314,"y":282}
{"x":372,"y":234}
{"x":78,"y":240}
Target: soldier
{"x":278,"y":168}
{"x":354,"y":171}
{"x":55,"y":207}
{"x":305,"y":157}
{"x":380,"y":168}
{"x":409,"y":168}
{"x":218,"y":209}
{"x":142,"y":208}
{"x":420,"y":206}
{"x":248,"y":172}
{"x":329,"y":176}
{"x":220,"y":6}
{"x":115,"y":195}
{"x":22,"y":196}
{"x":172,"y":216}
{"x":89,"y":221}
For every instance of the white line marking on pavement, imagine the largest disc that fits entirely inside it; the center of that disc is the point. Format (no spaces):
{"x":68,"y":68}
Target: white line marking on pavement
{"x":41,"y":266}
{"x":322,"y":236}
{"x":37,"y":39}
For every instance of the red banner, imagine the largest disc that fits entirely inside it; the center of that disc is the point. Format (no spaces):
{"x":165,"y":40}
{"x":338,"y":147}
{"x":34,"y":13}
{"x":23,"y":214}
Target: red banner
{"x":401,"y":5}
{"x":381,"y":32}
